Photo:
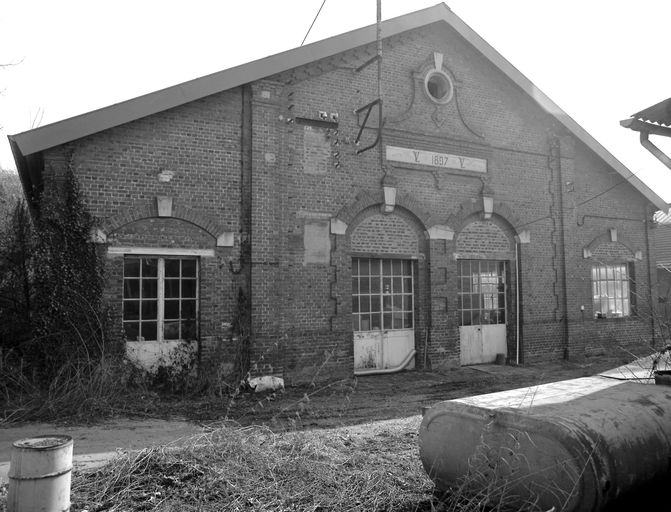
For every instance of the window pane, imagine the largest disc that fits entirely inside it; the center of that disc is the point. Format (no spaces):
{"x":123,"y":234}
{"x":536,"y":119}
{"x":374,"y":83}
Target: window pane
{"x":407,"y":302}
{"x":407,"y":267}
{"x":466,"y":318}
{"x":375,"y":284}
{"x":131,"y":310}
{"x":386,"y":321}
{"x":398,"y":302}
{"x":131,"y":330}
{"x":171,"y":330}
{"x":149,"y":288}
{"x":149,"y":267}
{"x":374,"y":267}
{"x":364,"y":269}
{"x":131,"y":288}
{"x":355,"y":322}
{"x":407,"y":320}
{"x":386,"y":267}
{"x":365,"y":322}
{"x":172,"y":268}
{"x":131,"y":267}
{"x":398,"y":320}
{"x":189,"y":287}
{"x":188,"y":309}
{"x":149,"y":309}
{"x":189,"y":268}
{"x":376,"y":321}
{"x":466,"y":284}
{"x":375,"y":303}
{"x":355,"y":304}
{"x":148,"y":331}
{"x":386,"y":285}
{"x":189,"y":329}
{"x":172,"y":288}
{"x":407,"y":285}
{"x":364,"y":284}
{"x":397,"y":267}
{"x":364,"y":304}
{"x":171,"y":309}
{"x":355,"y":285}
{"x":397,"y":286}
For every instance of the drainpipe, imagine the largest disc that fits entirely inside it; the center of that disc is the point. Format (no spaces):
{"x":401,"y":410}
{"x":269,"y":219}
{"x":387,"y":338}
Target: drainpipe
{"x":517,"y":303}
{"x":658,"y":153}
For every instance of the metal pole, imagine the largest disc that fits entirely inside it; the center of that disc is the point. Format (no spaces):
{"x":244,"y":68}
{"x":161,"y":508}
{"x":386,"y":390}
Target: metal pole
{"x":379,"y":82}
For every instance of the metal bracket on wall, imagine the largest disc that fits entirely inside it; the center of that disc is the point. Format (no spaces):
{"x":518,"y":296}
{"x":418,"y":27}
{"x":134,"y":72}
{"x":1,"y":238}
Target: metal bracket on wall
{"x":368,"y":108}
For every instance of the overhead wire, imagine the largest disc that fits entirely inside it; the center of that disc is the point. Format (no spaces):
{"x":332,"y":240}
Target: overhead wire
{"x":313,"y":22}
{"x":626,"y":179}
{"x":548,"y":216}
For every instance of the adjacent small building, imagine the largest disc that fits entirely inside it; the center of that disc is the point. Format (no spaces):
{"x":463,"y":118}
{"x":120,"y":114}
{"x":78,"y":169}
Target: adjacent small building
{"x":656,"y":120}
{"x":477,"y":222}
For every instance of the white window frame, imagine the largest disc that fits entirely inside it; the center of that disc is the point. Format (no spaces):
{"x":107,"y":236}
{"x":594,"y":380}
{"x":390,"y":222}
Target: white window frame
{"x":160,"y":283}
{"x":390,"y":288}
{"x":612,"y":291}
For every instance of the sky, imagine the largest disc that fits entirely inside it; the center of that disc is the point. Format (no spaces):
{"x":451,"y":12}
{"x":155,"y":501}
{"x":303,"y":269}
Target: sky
{"x":599,"y":60}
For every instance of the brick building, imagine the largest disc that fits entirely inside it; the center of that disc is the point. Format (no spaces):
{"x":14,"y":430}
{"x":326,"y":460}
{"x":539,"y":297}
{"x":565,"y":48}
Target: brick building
{"x":484,"y":224}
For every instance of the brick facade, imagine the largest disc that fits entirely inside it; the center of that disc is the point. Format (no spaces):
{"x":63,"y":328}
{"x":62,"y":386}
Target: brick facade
{"x":258,"y":161}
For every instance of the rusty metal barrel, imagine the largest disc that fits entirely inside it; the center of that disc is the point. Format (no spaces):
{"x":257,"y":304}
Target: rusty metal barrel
{"x":39,"y":474}
{"x":576,"y":445}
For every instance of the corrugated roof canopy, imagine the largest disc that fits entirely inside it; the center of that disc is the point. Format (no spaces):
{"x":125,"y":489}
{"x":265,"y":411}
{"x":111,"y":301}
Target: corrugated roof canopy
{"x":658,"y":114}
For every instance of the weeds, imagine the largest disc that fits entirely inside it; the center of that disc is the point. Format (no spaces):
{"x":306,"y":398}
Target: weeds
{"x":253,"y":468}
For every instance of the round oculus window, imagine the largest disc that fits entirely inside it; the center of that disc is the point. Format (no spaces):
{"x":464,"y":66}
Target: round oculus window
{"x":438,"y":86}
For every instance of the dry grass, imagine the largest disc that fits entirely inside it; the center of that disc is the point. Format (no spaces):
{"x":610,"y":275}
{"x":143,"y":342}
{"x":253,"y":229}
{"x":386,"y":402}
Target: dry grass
{"x":365,"y":468}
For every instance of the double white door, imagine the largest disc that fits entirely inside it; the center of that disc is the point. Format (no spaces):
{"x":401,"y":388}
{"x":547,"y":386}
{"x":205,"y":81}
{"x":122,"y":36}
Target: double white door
{"x":482,"y":310}
{"x":382,"y":312}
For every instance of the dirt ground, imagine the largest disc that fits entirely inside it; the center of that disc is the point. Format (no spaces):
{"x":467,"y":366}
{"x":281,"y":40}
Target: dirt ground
{"x":348,"y":402}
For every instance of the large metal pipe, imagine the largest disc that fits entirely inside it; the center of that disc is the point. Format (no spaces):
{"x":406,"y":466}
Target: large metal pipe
{"x":575,"y":445}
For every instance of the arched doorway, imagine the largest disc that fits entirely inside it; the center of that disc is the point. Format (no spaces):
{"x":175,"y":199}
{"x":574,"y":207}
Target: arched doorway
{"x":387,"y":258}
{"x":485,"y":254}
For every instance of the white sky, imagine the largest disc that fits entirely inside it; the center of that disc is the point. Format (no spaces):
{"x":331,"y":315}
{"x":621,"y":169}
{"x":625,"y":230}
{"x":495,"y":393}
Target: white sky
{"x":599,"y":60}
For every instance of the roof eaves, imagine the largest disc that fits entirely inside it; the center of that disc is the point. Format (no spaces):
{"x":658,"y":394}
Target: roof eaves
{"x":552,"y":108}
{"x":80,"y":126}
{"x":76,"y":127}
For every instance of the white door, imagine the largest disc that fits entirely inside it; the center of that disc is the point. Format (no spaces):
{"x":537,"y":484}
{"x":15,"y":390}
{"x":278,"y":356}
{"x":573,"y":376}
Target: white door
{"x":482,"y":310}
{"x":382,"y":312}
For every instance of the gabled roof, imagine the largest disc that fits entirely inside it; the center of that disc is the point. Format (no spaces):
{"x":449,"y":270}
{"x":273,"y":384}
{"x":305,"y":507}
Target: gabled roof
{"x":37,"y":140}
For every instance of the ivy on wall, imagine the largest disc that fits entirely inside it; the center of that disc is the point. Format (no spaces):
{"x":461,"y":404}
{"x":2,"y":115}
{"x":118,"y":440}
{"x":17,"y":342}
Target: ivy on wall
{"x":52,"y":311}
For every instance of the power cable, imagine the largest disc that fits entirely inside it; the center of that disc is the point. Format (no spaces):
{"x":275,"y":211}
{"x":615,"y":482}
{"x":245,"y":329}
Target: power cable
{"x":313,"y":22}
{"x":549,"y":216}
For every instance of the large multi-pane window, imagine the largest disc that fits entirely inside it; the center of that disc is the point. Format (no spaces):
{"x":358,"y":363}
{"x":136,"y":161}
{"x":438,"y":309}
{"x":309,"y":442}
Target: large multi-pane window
{"x":382,"y":294}
{"x":481,"y":292}
{"x":160,"y":298}
{"x":611,"y":291}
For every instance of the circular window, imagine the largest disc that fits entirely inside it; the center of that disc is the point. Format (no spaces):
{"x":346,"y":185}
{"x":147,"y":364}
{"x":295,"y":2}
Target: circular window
{"x":438,"y":87}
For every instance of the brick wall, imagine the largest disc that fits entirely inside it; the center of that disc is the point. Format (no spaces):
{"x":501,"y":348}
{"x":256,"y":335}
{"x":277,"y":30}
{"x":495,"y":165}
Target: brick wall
{"x":260,"y":162}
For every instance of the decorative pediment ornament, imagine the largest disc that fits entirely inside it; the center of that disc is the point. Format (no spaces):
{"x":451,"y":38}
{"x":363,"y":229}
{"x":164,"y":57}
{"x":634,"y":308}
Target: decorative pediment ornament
{"x":436,"y":84}
{"x":439,"y":116}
